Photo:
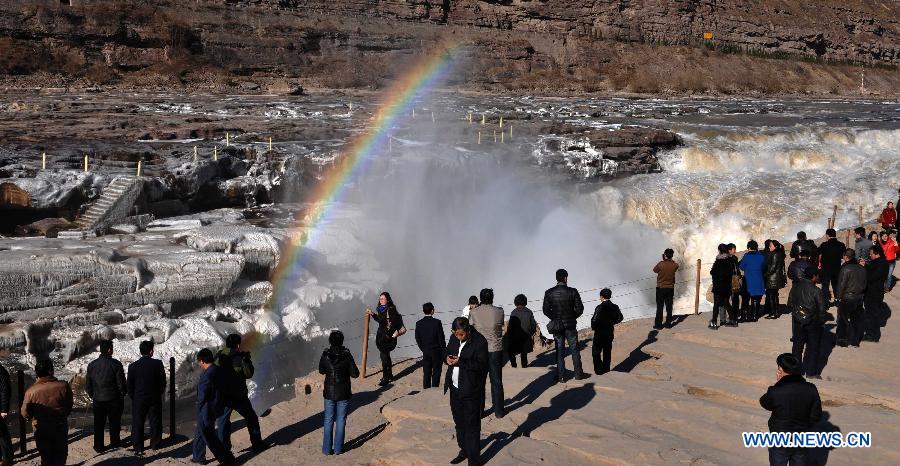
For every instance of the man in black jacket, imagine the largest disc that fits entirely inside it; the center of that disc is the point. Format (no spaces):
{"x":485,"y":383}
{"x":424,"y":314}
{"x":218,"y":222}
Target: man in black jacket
{"x":105,"y":384}
{"x":6,"y":448}
{"x":808,"y":323}
{"x":849,"y":292}
{"x":605,"y":317}
{"x":803,"y":244}
{"x":467,"y":361}
{"x":795,"y":407}
{"x":146,"y":387}
{"x":431,"y":341}
{"x":237,"y":369}
{"x":563,"y":306}
{"x":876,"y":275}
{"x":830,"y":253}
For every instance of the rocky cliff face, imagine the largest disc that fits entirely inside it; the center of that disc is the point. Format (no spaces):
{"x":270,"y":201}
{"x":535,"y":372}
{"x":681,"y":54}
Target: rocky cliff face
{"x":566,"y":44}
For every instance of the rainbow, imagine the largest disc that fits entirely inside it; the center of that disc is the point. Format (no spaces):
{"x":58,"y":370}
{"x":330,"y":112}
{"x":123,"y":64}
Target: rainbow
{"x":429,"y":73}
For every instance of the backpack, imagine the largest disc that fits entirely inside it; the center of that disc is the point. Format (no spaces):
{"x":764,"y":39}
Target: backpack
{"x":235,"y":385}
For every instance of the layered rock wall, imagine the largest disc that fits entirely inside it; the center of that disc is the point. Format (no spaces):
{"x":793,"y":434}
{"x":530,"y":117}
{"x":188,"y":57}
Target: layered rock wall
{"x":352,"y":43}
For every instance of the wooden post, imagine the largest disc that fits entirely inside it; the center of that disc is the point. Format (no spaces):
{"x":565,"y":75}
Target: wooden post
{"x":270,"y":143}
{"x":215,"y":152}
{"x":697,"y":289}
{"x":501,"y":122}
{"x":139,"y":168}
{"x":834,"y":217}
{"x":172,"y":397}
{"x":85,"y":163}
{"x":43,"y":160}
{"x":195,"y":153}
{"x":860,"y":215}
{"x":849,"y":233}
{"x":365,"y":352}
{"x":226,"y":138}
{"x":23,"y":440}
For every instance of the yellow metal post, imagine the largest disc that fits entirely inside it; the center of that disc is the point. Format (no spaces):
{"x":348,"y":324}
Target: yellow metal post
{"x":43,"y":160}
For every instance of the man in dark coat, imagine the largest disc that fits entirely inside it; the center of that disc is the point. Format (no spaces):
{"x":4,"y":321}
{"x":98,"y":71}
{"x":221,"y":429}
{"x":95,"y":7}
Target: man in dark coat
{"x":146,"y":387}
{"x":210,"y":405}
{"x":563,"y":306}
{"x":876,"y":274}
{"x":105,"y":384}
{"x":467,"y":369}
{"x":237,"y":368}
{"x":830,"y":253}
{"x":6,"y":448}
{"x":803,"y":244}
{"x":808,"y":321}
{"x":432,"y":343}
{"x":605,"y":317}
{"x":795,"y":407}
{"x":722,"y":272}
{"x":520,"y":331}
{"x":849,"y":292}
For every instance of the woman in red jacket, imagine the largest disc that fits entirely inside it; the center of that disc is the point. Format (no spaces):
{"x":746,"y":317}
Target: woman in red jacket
{"x":889,"y":246}
{"x":888,"y":217}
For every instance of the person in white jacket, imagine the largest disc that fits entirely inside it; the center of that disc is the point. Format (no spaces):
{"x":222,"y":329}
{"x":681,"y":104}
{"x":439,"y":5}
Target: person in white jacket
{"x":473,"y":303}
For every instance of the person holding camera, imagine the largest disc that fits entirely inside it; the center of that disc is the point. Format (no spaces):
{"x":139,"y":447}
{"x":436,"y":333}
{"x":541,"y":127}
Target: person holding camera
{"x":665,"y":288}
{"x":237,"y":368}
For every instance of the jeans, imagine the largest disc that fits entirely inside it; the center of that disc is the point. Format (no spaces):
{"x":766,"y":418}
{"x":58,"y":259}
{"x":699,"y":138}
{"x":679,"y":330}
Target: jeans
{"x":890,"y":278}
{"x":570,"y":336}
{"x":245,"y":409}
{"x":6,"y":447}
{"x":850,"y":321}
{"x":467,"y":420}
{"x":386,"y":365}
{"x":432,"y":362}
{"x":787,"y":456}
{"x":52,"y":441}
{"x":140,"y":411}
{"x":810,"y":337}
{"x":664,"y":297}
{"x":335,"y":423}
{"x":205,"y":435}
{"x":602,"y":352}
{"x":495,"y":372}
{"x":111,"y":411}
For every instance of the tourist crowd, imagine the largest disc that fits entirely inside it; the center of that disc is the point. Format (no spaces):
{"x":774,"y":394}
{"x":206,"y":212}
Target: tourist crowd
{"x":853,"y":279}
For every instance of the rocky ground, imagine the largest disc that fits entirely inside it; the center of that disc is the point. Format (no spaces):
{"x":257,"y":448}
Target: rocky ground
{"x":675,"y":396}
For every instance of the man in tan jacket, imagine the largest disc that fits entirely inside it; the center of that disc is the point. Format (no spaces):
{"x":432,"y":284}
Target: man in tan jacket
{"x":47,"y":404}
{"x":665,"y":288}
{"x":488,"y":321}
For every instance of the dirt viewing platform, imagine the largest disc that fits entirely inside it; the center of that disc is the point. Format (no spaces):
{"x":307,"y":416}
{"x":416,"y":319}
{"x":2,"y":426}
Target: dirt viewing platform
{"x":675,"y":396}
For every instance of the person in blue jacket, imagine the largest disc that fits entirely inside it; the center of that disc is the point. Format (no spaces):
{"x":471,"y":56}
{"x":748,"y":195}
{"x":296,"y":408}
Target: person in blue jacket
{"x":210,"y":405}
{"x":753,"y":265}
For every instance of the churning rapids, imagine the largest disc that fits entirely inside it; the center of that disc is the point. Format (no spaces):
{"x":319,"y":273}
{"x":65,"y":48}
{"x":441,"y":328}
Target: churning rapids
{"x":436,"y":216}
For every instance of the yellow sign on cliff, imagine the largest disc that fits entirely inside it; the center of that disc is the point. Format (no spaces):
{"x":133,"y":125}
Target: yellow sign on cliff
{"x":707,"y":35}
